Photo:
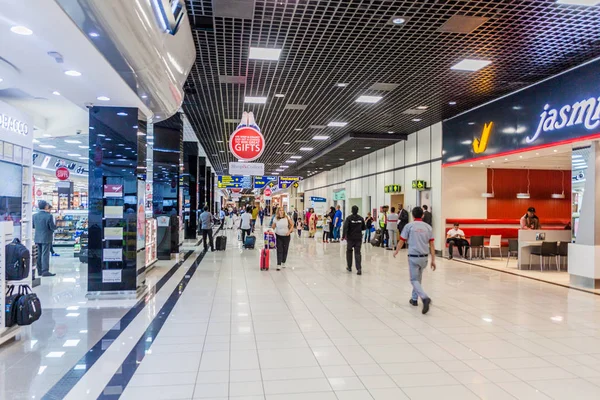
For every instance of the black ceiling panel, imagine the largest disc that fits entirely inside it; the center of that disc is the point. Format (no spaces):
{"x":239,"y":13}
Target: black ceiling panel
{"x":328,"y":42}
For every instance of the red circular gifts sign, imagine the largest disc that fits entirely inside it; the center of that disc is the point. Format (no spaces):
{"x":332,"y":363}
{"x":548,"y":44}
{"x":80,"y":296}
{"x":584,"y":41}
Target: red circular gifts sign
{"x":247,"y":144}
{"x":62,"y":173}
{"x":38,"y":193}
{"x":268,"y":192}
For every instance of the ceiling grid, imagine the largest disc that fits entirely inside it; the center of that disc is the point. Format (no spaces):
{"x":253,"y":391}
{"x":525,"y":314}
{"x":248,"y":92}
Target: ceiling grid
{"x":325,"y":42}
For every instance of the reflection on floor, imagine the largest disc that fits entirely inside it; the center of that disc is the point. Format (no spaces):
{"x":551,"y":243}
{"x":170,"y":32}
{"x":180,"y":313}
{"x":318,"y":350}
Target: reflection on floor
{"x":315,"y":331}
{"x":549,"y":274}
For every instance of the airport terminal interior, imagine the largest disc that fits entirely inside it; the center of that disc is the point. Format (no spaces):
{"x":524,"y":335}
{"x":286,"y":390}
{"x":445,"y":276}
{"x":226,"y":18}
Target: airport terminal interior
{"x":300,"y":199}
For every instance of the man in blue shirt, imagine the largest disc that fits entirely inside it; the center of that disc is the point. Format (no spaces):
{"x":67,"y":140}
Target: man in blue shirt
{"x":222,"y":218}
{"x":206,"y":223}
{"x":337,"y":224}
{"x":419,"y":237}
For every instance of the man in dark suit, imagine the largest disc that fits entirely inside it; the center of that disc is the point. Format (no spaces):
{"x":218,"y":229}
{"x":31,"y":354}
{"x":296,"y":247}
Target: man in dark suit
{"x":43,"y":223}
{"x":427,"y":217}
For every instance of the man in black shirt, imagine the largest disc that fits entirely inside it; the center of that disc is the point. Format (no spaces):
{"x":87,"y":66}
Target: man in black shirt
{"x":352,"y":232}
{"x":427,"y":217}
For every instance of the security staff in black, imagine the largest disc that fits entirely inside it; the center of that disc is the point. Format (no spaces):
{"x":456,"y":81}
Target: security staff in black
{"x":353,"y":228}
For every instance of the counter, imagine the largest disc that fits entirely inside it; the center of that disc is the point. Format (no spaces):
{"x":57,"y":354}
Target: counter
{"x":528,"y":239}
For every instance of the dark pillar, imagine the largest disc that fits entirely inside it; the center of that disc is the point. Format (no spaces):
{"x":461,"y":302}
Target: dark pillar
{"x":190,"y":188}
{"x":201,"y":183}
{"x":116,"y":220}
{"x":168,"y":191}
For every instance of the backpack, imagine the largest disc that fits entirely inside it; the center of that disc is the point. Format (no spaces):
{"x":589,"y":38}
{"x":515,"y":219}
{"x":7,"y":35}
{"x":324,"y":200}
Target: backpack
{"x":28,"y":306}
{"x":10,"y":309}
{"x":17,"y":261}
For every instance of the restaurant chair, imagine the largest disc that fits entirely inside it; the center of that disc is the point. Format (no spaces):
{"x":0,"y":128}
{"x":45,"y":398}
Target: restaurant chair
{"x":513,"y":247}
{"x":563,"y":251}
{"x":547,"y":249}
{"x":495,"y":243}
{"x":477,"y":244}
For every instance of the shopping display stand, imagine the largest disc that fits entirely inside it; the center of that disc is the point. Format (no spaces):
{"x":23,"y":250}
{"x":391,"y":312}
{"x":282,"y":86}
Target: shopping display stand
{"x":151,"y":255}
{"x":6,"y":236}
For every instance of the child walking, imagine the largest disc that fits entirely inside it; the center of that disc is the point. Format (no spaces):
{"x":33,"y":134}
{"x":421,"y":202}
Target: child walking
{"x":299,"y":226}
{"x":326,"y":227}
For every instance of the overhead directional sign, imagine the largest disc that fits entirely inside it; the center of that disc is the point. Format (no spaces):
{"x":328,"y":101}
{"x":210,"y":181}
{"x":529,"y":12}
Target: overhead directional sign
{"x":234,"y":181}
{"x":260,"y":182}
{"x":287,"y":181}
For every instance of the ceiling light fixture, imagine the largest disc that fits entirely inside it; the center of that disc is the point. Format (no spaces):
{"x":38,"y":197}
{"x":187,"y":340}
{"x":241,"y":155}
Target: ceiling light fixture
{"x":390,"y":132}
{"x":422,"y":107}
{"x":306,"y":149}
{"x":47,"y":146}
{"x":56,"y":93}
{"x":122,"y":114}
{"x":337,"y":124}
{"x":296,"y":157}
{"x":398,"y":21}
{"x":298,"y":129}
{"x":368,"y":99}
{"x":263,"y":53}
{"x":255,"y":100}
{"x":291,"y":162}
{"x":280,"y":95}
{"x":72,"y":72}
{"x":103,"y":98}
{"x":587,"y":3}
{"x":341,"y":84}
{"x":470,"y":65}
{"x":452,"y":103}
{"x":94,"y":34}
{"x":21,"y":30}
{"x":416,"y":120}
{"x":72,"y":141}
{"x":320,"y":137}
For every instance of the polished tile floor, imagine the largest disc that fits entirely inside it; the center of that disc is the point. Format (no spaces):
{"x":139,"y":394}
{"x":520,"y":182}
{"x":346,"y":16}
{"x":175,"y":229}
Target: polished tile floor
{"x":315,"y":331}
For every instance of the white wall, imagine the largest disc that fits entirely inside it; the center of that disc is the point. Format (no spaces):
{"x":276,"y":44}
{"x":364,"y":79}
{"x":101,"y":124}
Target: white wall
{"x":461,"y":190}
{"x":393,"y":165}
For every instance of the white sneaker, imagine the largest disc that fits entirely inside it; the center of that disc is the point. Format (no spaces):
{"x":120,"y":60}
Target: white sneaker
{"x":283,"y":265}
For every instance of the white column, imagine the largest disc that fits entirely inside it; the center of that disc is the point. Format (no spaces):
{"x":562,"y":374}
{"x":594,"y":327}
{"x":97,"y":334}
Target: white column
{"x":584,"y":254}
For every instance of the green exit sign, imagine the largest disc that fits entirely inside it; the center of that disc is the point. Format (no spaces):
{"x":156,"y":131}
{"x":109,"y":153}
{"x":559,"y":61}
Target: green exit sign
{"x":392,"y":189}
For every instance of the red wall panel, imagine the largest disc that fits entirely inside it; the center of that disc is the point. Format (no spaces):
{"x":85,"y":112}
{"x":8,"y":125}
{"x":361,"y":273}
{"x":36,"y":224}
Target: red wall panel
{"x":543,"y":183}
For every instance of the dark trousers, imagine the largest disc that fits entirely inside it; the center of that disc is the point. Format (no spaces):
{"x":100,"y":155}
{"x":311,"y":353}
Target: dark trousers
{"x":368,"y":235}
{"x":43,"y":259}
{"x":354,"y":245}
{"x":385,"y":235}
{"x":459,"y":243}
{"x":325,"y":236}
{"x":244,"y":233}
{"x":223,"y":223}
{"x":252,"y":224}
{"x":283,"y":245}
{"x":207,"y":233}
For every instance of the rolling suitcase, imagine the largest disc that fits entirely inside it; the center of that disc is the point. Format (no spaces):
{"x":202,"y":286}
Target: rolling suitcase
{"x":221,"y":243}
{"x":264,"y":259}
{"x":250,"y":242}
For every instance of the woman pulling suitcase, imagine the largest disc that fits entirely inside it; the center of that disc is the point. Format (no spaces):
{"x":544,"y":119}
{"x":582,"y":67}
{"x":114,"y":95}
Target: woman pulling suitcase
{"x":283,"y":226}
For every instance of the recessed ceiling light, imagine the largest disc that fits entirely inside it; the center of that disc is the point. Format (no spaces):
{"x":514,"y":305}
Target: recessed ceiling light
{"x":452,"y":103}
{"x":72,"y":141}
{"x":291,"y":161}
{"x":35,"y":141}
{"x":306,"y":148}
{"x":337,"y":124}
{"x":369,"y":99}
{"x":470,"y":65}
{"x":94,"y":34}
{"x":72,"y":73}
{"x":87,"y":147}
{"x":219,"y":141}
{"x":471,"y":123}
{"x":320,"y":137}
{"x":367,"y":148}
{"x":279,"y":95}
{"x":422,"y":107}
{"x":416,"y":120}
{"x":579,"y":2}
{"x":286,"y":143}
{"x":255,"y":100}
{"x":262,"y":53}
{"x":21,"y":30}
{"x":144,"y":96}
{"x":298,"y":129}
{"x":341,"y":84}
{"x":103,"y":98}
{"x":221,"y":151}
{"x":47,"y":146}
{"x":341,"y":159}
{"x":56,"y":93}
{"x":398,"y":21}
{"x":84,"y":158}
{"x":556,"y":151}
{"x":284,"y":166}
{"x":296,"y":157}
{"x":122,"y":114}
{"x":390,"y":132}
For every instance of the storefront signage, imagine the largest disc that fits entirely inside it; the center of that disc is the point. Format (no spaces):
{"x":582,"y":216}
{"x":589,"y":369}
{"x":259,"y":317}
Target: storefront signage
{"x":287,"y":181}
{"x":13,"y":125}
{"x":268,"y":193}
{"x":62,"y":173}
{"x":392,"y":189}
{"x":111,"y":275}
{"x":260,"y":182}
{"x":246,"y":169}
{"x":247,"y":143}
{"x":419,"y":185}
{"x":113,"y":190}
{"x":318,"y":199}
{"x":560,"y":110}
{"x":234,"y":181}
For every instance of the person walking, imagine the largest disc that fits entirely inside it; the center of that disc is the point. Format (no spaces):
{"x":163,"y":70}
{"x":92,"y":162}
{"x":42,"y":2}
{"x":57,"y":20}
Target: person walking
{"x":368,"y":226}
{"x":254,"y":212}
{"x":261,"y":215}
{"x":283,"y":227}
{"x":295,"y":217}
{"x":392,"y":227}
{"x":246,"y":224}
{"x":331,"y":218}
{"x":206,"y":226}
{"x":419,"y":237}
{"x":299,"y":227}
{"x":326,"y":228}
{"x":337,"y":224}
{"x":221,"y":218}
{"x":383,"y":226}
{"x":352,"y":233}
{"x":312,"y":223}
{"x":427,"y":217}
{"x":44,"y":226}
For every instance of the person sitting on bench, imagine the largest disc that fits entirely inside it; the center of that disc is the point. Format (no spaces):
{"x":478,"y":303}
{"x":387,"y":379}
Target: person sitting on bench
{"x":456,"y":237}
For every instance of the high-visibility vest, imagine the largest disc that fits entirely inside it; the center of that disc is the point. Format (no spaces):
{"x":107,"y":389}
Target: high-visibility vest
{"x":382,"y":219}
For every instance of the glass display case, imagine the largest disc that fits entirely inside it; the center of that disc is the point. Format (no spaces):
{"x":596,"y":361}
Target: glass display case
{"x":151,"y":256}
{"x":70,"y":225}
